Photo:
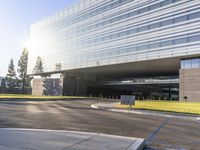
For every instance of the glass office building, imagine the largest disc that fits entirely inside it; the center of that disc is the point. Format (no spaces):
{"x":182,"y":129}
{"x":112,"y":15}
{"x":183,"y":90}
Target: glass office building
{"x":97,"y":33}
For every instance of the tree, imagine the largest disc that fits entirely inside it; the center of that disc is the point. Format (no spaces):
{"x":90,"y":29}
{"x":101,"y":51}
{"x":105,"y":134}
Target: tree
{"x":38,"y":69}
{"x":52,"y":86}
{"x":3,"y":86}
{"x":11,"y":78}
{"x":48,"y":86}
{"x":24,"y":79}
{"x":38,"y":66}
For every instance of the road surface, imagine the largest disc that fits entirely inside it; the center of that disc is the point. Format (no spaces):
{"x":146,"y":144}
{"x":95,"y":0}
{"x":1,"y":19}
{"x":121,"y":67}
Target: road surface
{"x":77,"y":115}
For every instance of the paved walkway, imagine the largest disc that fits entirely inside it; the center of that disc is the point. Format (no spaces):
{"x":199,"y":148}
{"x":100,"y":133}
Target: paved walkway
{"x":112,"y":107}
{"x":32,"y":139}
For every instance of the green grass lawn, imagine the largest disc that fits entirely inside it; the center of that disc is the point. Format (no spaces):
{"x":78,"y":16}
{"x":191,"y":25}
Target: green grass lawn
{"x":21,"y":96}
{"x":170,"y":106}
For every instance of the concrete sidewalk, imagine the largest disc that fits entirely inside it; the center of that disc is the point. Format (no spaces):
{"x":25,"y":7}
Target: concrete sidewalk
{"x":110,"y":106}
{"x":33,"y":139}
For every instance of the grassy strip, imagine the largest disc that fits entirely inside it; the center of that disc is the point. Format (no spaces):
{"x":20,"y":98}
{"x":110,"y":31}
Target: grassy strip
{"x":169,"y":106}
{"x":20,"y":96}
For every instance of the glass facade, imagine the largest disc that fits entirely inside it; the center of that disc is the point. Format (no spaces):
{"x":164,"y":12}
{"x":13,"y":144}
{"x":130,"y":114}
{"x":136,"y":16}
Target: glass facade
{"x":103,"y":32}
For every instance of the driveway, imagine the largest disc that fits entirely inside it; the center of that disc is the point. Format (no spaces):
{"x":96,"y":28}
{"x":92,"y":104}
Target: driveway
{"x":77,"y":115}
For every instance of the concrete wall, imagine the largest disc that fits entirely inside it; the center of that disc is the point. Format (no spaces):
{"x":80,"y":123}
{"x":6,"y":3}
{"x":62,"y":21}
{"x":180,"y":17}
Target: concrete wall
{"x":37,"y":88}
{"x":51,"y":86}
{"x":189,"y":84}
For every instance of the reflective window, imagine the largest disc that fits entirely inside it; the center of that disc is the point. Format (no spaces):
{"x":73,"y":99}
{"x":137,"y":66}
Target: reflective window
{"x":144,"y":28}
{"x":154,"y":45}
{"x":195,"y":63}
{"x":194,"y":15}
{"x":143,"y":47}
{"x":155,"y":6}
{"x":132,"y":49}
{"x":166,"y":43}
{"x":132,"y":31}
{"x":167,"y":22}
{"x":180,"y":41}
{"x":114,"y":36}
{"x":132,"y":13}
{"x":187,"y":64}
{"x":190,"y":63}
{"x":164,"y":3}
{"x":122,"y":51}
{"x":153,"y":26}
{"x":123,"y":33}
{"x":115,"y":19}
{"x":98,"y":40}
{"x":175,"y":1}
{"x":182,"y":64}
{"x":124,"y":16}
{"x":180,"y":19}
{"x":194,"y":38}
{"x":143,"y":10}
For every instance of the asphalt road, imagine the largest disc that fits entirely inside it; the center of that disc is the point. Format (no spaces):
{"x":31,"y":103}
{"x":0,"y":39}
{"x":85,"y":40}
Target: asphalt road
{"x":77,"y":115}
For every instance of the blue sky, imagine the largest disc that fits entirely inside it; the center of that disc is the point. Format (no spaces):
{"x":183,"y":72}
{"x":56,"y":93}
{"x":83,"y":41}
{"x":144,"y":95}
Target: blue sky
{"x":16,"y":16}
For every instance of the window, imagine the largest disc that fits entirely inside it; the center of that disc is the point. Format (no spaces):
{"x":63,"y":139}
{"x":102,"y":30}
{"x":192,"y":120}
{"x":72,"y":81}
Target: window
{"x":98,"y":25}
{"x":98,"y":40}
{"x":143,"y":47}
{"x":114,"y":36}
{"x":180,"y":41}
{"x":195,"y":63}
{"x":144,"y":28}
{"x":124,"y":16}
{"x":167,"y":22}
{"x":132,"y":13}
{"x":174,"y":1}
{"x":194,"y":38}
{"x":108,"y":7}
{"x":166,"y":43}
{"x":194,"y":15}
{"x":102,"y":39}
{"x":143,"y":10}
{"x":190,"y":63}
{"x":123,"y":33}
{"x":116,"y":3}
{"x":153,"y":26}
{"x":115,"y":19}
{"x":132,"y":49}
{"x":154,"y":45}
{"x":106,"y":38}
{"x":182,"y":64}
{"x":187,"y":64}
{"x":132,"y":31}
{"x":180,"y":19}
{"x":166,"y":2}
{"x":155,"y":6}
{"x":122,"y":51}
{"x":107,"y":22}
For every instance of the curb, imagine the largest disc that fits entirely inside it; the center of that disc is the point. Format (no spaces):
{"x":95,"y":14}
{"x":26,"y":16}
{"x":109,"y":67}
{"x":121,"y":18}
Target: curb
{"x":138,"y":145}
{"x":135,"y":143}
{"x":146,"y":112}
{"x":41,"y":99}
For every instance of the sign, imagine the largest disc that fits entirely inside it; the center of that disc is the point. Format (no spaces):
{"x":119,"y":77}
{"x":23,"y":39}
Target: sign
{"x":127,"y":100}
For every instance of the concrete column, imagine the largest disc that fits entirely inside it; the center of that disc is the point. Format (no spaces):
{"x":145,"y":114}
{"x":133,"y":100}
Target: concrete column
{"x":37,"y":88}
{"x":189,"y":86}
{"x":53,"y":86}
